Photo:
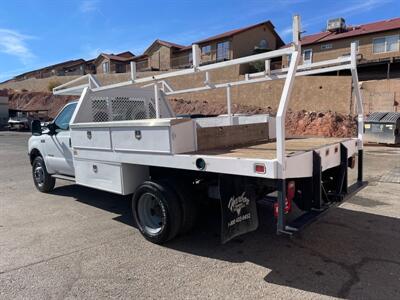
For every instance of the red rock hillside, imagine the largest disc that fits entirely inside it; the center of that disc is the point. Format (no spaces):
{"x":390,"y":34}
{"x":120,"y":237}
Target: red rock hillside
{"x":329,"y":124}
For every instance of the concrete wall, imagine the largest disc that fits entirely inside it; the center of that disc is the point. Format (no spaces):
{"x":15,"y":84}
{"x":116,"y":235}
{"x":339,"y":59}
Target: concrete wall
{"x":342,"y":47}
{"x":40,"y":85}
{"x":381,"y":95}
{"x":316,"y":93}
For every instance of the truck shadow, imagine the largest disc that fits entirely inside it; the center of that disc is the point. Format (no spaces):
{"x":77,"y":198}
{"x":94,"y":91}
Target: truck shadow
{"x":346,"y":253}
{"x":117,"y":204}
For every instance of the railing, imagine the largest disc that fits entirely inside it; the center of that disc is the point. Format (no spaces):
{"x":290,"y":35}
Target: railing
{"x":215,"y":56}
{"x":142,"y":65}
{"x":182,"y":61}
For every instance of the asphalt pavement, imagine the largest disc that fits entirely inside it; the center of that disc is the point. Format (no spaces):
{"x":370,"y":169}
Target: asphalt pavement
{"x":81,"y":243}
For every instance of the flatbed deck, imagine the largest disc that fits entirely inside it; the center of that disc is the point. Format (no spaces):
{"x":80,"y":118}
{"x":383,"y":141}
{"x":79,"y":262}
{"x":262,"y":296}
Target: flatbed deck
{"x":267,"y":149}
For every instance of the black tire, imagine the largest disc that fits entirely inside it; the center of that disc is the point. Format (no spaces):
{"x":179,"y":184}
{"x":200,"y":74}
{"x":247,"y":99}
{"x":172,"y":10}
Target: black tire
{"x":43,"y":180}
{"x":156,"y":211}
{"x":188,"y":200}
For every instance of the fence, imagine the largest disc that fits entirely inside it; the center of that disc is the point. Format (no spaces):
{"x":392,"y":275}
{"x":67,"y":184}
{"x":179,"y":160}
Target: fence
{"x":182,"y":61}
{"x":142,"y":65}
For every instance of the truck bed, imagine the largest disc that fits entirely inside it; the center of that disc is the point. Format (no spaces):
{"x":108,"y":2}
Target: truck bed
{"x":267,"y":149}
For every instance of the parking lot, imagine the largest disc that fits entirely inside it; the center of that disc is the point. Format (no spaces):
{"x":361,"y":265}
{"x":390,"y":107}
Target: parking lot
{"x":81,"y":243}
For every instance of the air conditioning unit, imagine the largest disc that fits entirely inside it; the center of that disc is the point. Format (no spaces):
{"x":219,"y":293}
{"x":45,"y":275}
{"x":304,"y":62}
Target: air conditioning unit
{"x":337,"y":24}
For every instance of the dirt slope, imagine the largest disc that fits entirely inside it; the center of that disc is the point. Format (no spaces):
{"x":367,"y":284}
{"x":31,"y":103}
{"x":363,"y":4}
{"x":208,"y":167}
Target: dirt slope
{"x":38,"y":101}
{"x":329,"y":124}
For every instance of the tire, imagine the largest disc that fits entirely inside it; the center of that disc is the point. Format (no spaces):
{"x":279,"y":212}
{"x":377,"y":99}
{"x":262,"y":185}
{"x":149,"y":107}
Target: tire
{"x":188,"y":201}
{"x":156,"y":211}
{"x":43,"y":180}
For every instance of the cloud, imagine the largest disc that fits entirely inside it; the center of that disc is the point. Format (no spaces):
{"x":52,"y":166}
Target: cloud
{"x":354,"y":8}
{"x":88,"y":6}
{"x":362,"y":6}
{"x":358,"y":7}
{"x":14,"y":43}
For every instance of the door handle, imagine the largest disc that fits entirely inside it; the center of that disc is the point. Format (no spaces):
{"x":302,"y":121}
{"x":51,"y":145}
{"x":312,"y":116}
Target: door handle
{"x":42,"y":141}
{"x":70,"y":143}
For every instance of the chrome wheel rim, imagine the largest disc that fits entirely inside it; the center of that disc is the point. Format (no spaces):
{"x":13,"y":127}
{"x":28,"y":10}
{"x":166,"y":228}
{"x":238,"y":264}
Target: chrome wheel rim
{"x":38,"y":174}
{"x":151,"y":213}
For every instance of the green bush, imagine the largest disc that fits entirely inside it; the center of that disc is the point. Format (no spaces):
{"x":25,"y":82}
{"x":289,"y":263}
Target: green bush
{"x":52,"y":84}
{"x":257,"y":66}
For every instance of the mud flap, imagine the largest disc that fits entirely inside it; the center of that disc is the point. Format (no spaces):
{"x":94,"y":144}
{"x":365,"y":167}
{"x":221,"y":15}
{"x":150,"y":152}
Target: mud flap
{"x":238,"y":206}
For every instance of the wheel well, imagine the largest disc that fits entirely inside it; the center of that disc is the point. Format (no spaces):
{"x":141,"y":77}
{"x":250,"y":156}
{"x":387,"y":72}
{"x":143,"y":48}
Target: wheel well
{"x":34,"y":153}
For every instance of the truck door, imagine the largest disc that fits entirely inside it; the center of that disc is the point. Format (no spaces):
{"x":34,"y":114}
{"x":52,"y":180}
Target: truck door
{"x":58,"y":146}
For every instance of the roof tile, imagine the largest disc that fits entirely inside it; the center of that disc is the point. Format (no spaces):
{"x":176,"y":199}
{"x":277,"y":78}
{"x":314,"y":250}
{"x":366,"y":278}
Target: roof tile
{"x":352,"y":31}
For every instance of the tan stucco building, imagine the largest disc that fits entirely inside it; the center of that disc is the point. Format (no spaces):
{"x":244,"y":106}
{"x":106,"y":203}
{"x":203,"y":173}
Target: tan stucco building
{"x":378,"y":44}
{"x":113,"y":63}
{"x":163,"y":55}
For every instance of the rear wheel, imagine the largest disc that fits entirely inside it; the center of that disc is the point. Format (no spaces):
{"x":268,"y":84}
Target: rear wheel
{"x":43,"y":180}
{"x":188,"y":200}
{"x":156,"y":211}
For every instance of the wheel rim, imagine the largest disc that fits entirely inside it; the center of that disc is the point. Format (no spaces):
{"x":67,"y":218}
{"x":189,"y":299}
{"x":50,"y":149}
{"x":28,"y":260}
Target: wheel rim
{"x":38,"y":174}
{"x":151,"y":213}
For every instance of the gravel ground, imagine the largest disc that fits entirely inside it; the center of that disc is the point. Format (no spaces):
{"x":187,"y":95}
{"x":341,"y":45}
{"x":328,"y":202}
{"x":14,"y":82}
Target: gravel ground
{"x":81,"y":243}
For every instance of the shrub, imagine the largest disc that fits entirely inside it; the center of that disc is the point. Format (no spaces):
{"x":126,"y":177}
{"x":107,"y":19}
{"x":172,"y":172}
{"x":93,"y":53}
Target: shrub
{"x":52,"y":84}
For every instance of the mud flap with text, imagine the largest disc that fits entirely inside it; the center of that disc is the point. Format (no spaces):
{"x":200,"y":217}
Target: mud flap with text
{"x":238,"y":206}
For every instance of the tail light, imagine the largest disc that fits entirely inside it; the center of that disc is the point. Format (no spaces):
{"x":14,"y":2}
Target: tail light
{"x":290,"y":193}
{"x":259,"y":168}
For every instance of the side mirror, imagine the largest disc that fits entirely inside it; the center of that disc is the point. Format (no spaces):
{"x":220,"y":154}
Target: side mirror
{"x":36,"y":127}
{"x":52,"y":128}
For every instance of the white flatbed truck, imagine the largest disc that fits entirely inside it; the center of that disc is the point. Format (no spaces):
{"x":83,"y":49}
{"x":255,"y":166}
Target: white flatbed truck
{"x":126,"y":139}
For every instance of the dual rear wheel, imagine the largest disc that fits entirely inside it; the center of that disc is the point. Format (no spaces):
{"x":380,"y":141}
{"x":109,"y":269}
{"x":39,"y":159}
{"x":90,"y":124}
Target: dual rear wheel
{"x":162,"y":210}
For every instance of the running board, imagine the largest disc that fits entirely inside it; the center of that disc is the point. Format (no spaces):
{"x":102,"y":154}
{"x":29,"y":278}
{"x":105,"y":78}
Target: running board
{"x":63,"y":177}
{"x":313,"y":215}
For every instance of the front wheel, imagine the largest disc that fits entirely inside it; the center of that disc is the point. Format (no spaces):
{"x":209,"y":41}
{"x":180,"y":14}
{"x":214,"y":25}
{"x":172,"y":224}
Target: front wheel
{"x":156,"y":211}
{"x":43,"y":180}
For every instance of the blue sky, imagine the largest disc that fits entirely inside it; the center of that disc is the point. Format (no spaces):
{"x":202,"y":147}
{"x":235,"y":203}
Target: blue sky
{"x":36,"y":33}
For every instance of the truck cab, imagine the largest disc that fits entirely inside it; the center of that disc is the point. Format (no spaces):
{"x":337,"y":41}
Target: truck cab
{"x":53,"y":145}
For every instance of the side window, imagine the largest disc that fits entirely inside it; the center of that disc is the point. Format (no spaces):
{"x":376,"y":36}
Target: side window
{"x":63,"y":119}
{"x":307,"y":56}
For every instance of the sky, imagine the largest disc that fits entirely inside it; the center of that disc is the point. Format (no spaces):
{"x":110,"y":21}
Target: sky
{"x":37,"y":33}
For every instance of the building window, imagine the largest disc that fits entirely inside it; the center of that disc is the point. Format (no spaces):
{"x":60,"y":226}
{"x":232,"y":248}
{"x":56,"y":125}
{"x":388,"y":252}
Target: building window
{"x":119,"y":68}
{"x":307,"y":56}
{"x":386,"y":44}
{"x":326,"y":46}
{"x":106,"y":67}
{"x":357,"y":42}
{"x":223,"y":51}
{"x":263,"y":45}
{"x":190,"y":57}
{"x":206,"y":50}
{"x":289,"y":59}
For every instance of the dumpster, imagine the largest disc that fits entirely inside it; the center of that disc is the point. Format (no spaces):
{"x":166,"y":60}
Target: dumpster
{"x":382,"y":128}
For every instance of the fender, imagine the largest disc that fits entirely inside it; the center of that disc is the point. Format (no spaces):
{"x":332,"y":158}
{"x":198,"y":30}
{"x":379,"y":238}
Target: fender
{"x":38,"y":143}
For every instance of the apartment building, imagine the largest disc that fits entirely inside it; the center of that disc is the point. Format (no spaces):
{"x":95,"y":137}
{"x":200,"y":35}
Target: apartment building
{"x":377,"y":46}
